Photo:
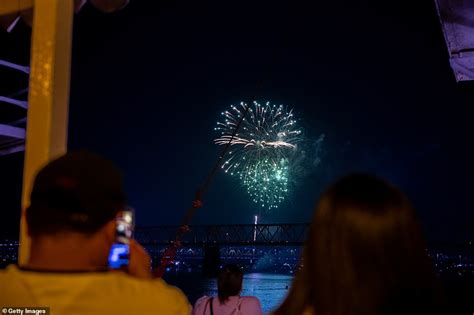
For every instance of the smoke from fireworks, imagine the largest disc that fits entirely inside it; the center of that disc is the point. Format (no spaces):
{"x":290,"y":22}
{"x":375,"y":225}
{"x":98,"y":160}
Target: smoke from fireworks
{"x":261,"y":150}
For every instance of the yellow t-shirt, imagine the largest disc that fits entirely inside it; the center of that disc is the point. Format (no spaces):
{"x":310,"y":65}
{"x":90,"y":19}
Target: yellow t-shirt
{"x":89,"y":293}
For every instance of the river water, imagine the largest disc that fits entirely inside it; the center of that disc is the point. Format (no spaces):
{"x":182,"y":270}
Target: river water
{"x":269,"y":288}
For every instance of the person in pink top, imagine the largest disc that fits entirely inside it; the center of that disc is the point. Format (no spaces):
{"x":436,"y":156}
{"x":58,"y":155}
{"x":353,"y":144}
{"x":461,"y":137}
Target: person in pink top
{"x":229,"y":301}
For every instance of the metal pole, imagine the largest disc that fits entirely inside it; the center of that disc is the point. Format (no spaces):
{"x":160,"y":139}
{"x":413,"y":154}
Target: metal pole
{"x":47,"y":122}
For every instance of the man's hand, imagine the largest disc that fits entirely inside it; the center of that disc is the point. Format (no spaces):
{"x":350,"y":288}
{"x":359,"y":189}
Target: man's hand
{"x":140,"y":262}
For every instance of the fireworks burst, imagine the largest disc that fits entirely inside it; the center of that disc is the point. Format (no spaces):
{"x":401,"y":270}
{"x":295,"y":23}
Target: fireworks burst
{"x":261,"y":150}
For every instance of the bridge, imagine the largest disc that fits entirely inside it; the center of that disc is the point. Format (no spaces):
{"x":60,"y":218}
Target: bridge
{"x":227,"y":235}
{"x":275,"y":247}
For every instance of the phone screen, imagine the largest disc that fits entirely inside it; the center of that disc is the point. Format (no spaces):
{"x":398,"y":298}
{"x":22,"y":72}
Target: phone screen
{"x":120,"y":251}
{"x":119,"y":255}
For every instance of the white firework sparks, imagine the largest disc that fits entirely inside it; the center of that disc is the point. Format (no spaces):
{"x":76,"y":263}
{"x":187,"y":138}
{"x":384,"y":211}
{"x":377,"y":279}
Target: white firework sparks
{"x":260,"y":149}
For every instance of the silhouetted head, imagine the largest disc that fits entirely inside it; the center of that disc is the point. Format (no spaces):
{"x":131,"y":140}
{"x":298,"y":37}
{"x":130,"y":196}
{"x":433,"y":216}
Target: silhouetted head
{"x":364,"y":254}
{"x":229,"y":282}
{"x":80,"y":191}
{"x":74,"y":201}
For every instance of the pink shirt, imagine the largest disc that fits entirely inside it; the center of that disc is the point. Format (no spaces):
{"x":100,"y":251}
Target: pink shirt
{"x":249,"y":305}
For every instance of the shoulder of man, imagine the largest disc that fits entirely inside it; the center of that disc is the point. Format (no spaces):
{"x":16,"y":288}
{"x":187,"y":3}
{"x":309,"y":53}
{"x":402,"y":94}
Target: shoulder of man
{"x":170,"y":294}
{"x":13,"y":290}
{"x":152,"y":287}
{"x":144,"y":294}
{"x":7,"y":275}
{"x":147,"y":293}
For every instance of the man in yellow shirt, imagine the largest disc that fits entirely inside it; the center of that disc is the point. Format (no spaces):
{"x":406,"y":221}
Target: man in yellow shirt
{"x":71,"y":221}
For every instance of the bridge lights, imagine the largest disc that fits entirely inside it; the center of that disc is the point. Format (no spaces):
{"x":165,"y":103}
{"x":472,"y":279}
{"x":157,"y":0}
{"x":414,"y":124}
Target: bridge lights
{"x":255,"y":228}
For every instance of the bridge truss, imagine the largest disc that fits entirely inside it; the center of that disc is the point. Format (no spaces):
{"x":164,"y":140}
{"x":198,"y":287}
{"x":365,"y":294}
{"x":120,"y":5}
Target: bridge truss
{"x":227,"y":235}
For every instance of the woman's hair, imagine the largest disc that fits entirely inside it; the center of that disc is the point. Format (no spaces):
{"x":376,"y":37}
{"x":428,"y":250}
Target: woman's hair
{"x":229,"y":282}
{"x":364,"y":254}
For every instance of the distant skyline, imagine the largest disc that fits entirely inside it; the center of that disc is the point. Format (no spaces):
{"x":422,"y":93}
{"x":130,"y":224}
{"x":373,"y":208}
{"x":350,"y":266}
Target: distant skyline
{"x":149,"y":82}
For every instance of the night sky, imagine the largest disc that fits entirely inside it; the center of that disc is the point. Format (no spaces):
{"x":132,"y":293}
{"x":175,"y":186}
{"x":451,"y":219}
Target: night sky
{"x":149,"y":83}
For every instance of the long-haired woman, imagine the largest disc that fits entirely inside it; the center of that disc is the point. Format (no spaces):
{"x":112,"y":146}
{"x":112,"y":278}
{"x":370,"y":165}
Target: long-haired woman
{"x":228,"y":300}
{"x":364,"y":254}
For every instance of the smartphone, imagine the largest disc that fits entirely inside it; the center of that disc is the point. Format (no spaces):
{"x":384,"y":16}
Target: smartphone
{"x":120,"y":251}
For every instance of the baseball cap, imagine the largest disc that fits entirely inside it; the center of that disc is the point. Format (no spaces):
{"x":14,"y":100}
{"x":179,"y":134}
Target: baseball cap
{"x":79,"y":191}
